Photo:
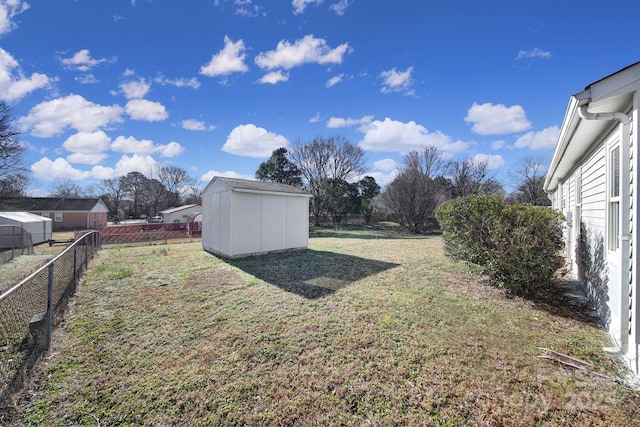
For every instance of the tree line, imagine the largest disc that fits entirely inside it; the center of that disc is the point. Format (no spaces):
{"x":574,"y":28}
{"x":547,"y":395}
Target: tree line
{"x":331,"y":169}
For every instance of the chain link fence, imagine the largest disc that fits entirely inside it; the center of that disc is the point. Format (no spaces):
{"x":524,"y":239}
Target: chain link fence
{"x":30,"y":310}
{"x":14,"y":241}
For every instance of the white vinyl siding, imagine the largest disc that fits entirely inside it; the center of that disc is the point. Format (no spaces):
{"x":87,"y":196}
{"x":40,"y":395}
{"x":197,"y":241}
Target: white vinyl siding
{"x":594,"y":191}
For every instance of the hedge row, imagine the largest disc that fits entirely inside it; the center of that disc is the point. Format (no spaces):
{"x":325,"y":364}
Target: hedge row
{"x":516,"y":245}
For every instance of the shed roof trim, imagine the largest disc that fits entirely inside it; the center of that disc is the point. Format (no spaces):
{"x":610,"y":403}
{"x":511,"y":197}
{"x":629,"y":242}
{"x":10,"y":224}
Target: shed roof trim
{"x":247,"y":186}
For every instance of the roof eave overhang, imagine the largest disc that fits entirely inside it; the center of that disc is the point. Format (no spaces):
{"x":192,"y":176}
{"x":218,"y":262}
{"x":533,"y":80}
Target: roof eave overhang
{"x":613,"y":93}
{"x":569,"y":126}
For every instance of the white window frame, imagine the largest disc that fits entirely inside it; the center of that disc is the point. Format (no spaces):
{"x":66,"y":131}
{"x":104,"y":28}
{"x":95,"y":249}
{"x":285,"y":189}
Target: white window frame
{"x":58,"y":217}
{"x":614,"y":169}
{"x":579,"y":188}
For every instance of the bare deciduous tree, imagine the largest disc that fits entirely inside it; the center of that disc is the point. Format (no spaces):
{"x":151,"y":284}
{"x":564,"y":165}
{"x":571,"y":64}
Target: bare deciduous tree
{"x":529,"y":177}
{"x":331,"y":158}
{"x":467,"y":177}
{"x":174,"y":179}
{"x":66,"y":188}
{"x":13,"y":180}
{"x":417,"y":189}
{"x":113,"y":194}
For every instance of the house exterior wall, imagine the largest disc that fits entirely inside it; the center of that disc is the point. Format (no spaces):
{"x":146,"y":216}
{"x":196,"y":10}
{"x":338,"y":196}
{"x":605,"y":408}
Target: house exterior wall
{"x":583,"y":199}
{"x":76,"y":220}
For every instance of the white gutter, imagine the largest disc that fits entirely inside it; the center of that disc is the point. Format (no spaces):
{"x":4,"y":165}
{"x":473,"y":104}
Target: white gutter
{"x":624,"y":214}
{"x":587,"y":115}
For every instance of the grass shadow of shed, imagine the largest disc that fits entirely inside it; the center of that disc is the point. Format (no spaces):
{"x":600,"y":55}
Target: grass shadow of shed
{"x":310,"y":273}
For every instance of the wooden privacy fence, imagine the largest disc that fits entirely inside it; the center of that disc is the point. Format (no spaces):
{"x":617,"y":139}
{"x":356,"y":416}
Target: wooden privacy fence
{"x":150,"y":232}
{"x":30,"y":310}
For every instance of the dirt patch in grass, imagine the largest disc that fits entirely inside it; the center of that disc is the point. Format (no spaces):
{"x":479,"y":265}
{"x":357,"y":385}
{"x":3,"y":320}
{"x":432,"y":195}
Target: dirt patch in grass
{"x":405,"y":336}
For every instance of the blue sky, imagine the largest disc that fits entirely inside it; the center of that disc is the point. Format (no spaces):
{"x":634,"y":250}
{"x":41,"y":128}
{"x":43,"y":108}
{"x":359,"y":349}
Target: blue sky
{"x":103,"y":88}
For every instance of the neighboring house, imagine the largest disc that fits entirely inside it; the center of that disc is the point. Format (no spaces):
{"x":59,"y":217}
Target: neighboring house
{"x":242,"y":217}
{"x":67,"y":213}
{"x":180,"y":214}
{"x":593,"y":181}
{"x":37,"y":226}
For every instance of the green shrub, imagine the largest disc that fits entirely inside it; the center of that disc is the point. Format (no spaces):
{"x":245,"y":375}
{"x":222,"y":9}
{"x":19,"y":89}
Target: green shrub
{"x":516,"y":245}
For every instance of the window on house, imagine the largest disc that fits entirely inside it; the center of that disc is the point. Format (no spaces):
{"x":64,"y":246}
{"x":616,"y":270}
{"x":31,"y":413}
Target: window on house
{"x":614,"y":199}
{"x":58,"y":217}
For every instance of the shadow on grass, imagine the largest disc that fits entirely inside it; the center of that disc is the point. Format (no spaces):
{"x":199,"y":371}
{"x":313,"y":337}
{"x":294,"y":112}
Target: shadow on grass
{"x":309,"y":273}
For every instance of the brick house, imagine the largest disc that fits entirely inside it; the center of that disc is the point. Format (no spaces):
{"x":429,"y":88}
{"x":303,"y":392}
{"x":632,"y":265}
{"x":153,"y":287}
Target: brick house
{"x":67,"y":213}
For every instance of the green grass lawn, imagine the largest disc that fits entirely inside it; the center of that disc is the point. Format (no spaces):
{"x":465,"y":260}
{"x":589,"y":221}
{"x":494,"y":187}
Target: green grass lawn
{"x":365,"y":327}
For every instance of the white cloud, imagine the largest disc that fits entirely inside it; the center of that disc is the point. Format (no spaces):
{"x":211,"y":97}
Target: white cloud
{"x":13,"y":84}
{"x":315,"y":119}
{"x":87,"y":143}
{"x":334,"y":80}
{"x":541,"y":140}
{"x":227,"y":174}
{"x":493,"y":161}
{"x":133,"y":145}
{"x":86,"y":79}
{"x":252,"y":141}
{"x":382,"y":179}
{"x":274,"y":77}
{"x":135,"y":89}
{"x":136,"y":163}
{"x":51,"y":118}
{"x":150,"y":111}
{"x":397,"y":81}
{"x":308,"y":50}
{"x":193,"y":83}
{"x":8,"y":10}
{"x":498,"y":144}
{"x":394,"y":136}
{"x":57,"y":169}
{"x":300,"y":5}
{"x":82,"y":60}
{"x":86,"y":159}
{"x":340,"y":7}
{"x":387,"y":165}
{"x":171,"y":149}
{"x":229,"y":60}
{"x":490,"y":119}
{"x":339,"y":122}
{"x":192,"y":124}
{"x":534,"y":53}
{"x":103,"y":172}
{"x":145,"y":147}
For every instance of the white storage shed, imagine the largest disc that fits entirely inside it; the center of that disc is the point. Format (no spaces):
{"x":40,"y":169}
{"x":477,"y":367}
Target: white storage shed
{"x":38,"y":226}
{"x":180,"y":214}
{"x":242,"y":217}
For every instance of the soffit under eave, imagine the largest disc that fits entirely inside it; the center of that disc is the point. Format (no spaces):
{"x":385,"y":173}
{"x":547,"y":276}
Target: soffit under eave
{"x":577,"y":135}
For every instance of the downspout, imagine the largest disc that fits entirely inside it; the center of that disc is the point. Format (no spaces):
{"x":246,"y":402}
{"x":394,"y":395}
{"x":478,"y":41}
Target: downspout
{"x":624,"y":218}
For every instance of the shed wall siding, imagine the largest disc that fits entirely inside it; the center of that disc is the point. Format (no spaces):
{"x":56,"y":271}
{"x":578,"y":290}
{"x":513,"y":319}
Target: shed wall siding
{"x":297,"y":220}
{"x":273,"y":233}
{"x":240,"y":223}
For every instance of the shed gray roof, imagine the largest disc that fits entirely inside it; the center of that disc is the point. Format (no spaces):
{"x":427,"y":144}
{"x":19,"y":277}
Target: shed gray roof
{"x":48,"y":203}
{"x":178,"y":209}
{"x":261,"y":186}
